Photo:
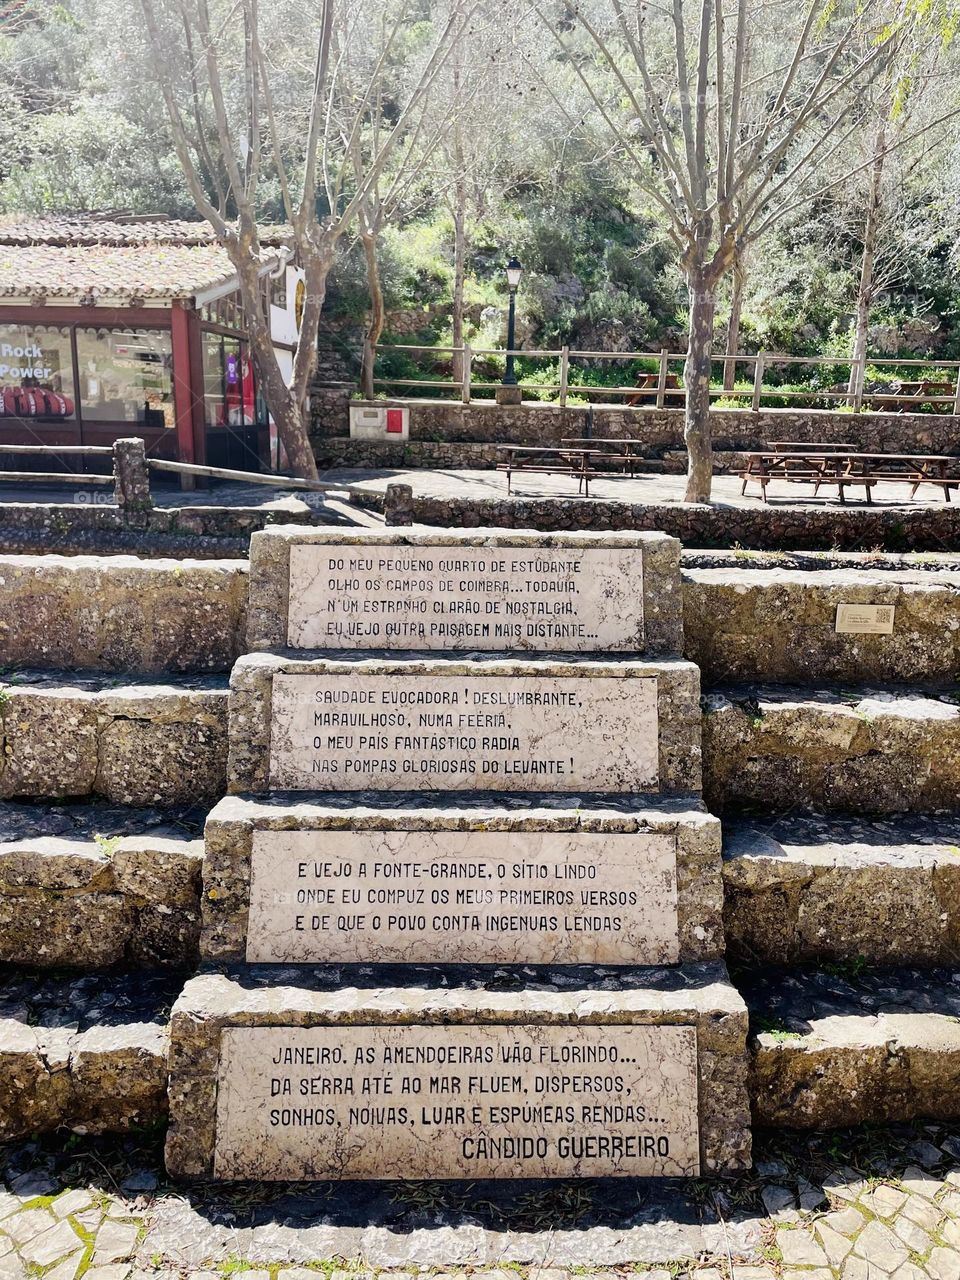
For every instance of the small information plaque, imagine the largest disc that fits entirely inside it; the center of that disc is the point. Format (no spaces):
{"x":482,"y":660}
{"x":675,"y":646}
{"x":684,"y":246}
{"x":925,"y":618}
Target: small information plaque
{"x":495,"y":1101}
{"x":865,"y":619}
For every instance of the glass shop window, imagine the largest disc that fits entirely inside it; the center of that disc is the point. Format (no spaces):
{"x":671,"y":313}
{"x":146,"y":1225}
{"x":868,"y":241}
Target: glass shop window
{"x":36,"y":373}
{"x":229,"y":388}
{"x":126,"y":375}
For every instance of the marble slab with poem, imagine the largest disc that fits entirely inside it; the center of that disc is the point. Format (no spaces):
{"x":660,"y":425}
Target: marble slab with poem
{"x":463,"y":897}
{"x":463,"y":733}
{"x":476,"y":598}
{"x":476,"y":1101}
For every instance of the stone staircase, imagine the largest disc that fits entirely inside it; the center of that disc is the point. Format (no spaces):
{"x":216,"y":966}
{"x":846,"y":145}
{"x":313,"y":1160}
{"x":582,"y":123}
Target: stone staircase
{"x":832,"y":759}
{"x":113,"y":705}
{"x":841,"y":816}
{"x":497,"y":862}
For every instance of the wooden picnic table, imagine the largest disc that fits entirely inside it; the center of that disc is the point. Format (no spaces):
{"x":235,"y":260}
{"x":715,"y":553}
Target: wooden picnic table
{"x":628,"y":452}
{"x":553,"y":460}
{"x":843,"y":468}
{"x":804,"y":446}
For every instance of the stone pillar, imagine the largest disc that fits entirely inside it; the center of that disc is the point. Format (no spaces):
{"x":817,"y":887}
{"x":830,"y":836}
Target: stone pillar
{"x":398,"y":508}
{"x":131,"y":478}
{"x":506,"y":394}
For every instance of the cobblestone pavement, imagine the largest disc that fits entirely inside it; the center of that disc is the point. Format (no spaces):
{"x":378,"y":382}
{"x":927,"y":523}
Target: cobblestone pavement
{"x":881,"y":1204}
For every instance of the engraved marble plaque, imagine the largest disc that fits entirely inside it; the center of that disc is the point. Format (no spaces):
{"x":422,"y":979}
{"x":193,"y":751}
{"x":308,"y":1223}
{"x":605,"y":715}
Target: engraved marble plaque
{"x":477,"y":897}
{"x":436,"y":597}
{"x":415,"y":1101}
{"x":359,"y":731}
{"x":865,"y":619}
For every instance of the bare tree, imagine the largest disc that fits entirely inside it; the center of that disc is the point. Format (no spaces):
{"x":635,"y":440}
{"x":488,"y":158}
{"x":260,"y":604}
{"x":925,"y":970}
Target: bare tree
{"x":880,"y":202}
{"x":243,"y":114}
{"x":723,"y":152}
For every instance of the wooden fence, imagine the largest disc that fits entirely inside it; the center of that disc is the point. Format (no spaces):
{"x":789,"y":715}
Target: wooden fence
{"x":661,"y":394}
{"x":130,"y":470}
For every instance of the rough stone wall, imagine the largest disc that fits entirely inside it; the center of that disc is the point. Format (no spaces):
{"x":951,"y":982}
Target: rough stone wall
{"x":87,"y":1053}
{"x":86,"y":905}
{"x":771,"y":750}
{"x":341,"y":451}
{"x":659,"y":429}
{"x":816,"y":890}
{"x":121,"y":613}
{"x":207,"y":532}
{"x":758,"y":528}
{"x":779,"y":625}
{"x":872,"y":1049}
{"x":133,"y":745}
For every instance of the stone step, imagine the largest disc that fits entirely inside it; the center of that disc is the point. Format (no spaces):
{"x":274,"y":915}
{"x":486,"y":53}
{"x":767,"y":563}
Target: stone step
{"x":746,"y":623}
{"x":465,"y":589}
{"x":121,"y":613}
{"x":95,"y":886}
{"x":68,"y":736}
{"x":341,"y":877}
{"x":457,"y":1072}
{"x":845,"y":1047}
{"x":775,"y":749}
{"x":361,"y":721}
{"x":88,"y":1053}
{"x":801,"y":890}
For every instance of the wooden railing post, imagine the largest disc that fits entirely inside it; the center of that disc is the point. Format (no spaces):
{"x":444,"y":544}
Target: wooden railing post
{"x":956,"y":395}
{"x":465,"y":380}
{"x":758,"y":381}
{"x":367,"y":361}
{"x":564,"y":374}
{"x":860,"y":375}
{"x":662,"y":377}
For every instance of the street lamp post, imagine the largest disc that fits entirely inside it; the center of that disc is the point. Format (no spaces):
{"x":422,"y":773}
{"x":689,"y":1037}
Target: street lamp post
{"x":509,"y":392}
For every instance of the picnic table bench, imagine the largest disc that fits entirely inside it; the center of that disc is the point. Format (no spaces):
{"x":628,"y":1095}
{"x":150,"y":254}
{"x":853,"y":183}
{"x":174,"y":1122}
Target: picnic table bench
{"x":830,"y":465}
{"x":579,"y":462}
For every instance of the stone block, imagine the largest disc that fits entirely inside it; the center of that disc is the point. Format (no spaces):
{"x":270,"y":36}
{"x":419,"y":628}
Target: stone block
{"x":499,"y":861}
{"x":135,"y":744}
{"x":778,"y":749}
{"x":802,"y":890}
{"x":85,"y":904}
{"x":469,"y":589}
{"x":677,"y":1036}
{"x":779,"y":625}
{"x":500,"y":725}
{"x":831,"y":1051}
{"x":121,"y":613}
{"x":88,"y":1054}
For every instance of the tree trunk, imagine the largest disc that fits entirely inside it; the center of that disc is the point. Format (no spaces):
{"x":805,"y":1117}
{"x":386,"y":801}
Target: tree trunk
{"x":287,"y":410}
{"x":294,"y":431}
{"x":733,"y":323}
{"x":861,"y":321}
{"x":696,"y":382}
{"x":375,"y":288}
{"x":459,"y":275}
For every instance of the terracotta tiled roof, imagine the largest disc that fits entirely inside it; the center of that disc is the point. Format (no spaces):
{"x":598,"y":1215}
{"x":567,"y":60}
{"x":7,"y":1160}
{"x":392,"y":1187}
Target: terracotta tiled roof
{"x":91,"y":229}
{"x":88,"y":260}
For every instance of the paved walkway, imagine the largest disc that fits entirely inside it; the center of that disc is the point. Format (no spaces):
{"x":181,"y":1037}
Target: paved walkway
{"x":860,"y":1205}
{"x":645,"y":488}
